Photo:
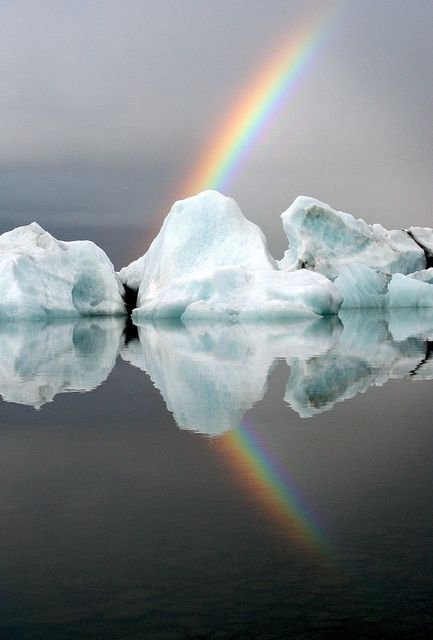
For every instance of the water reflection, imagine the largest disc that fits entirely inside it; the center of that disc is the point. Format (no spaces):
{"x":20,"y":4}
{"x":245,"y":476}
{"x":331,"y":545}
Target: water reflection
{"x":38,"y":361}
{"x":210,"y":375}
{"x":119,"y":525}
{"x":365,"y":354}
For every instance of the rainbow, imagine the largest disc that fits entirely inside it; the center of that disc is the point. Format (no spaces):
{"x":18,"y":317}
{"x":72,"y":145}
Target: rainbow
{"x":257,"y":107}
{"x":268,"y":480}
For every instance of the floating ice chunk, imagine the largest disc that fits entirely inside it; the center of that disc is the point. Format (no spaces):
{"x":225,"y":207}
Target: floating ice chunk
{"x":208,"y":260}
{"x":38,"y":361}
{"x":203,"y":232}
{"x":362,"y":286}
{"x":41,"y":277}
{"x":324,"y":240}
{"x":413,"y":290}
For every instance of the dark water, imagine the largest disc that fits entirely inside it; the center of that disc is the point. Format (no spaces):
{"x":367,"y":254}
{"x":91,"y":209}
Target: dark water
{"x":268,"y":482}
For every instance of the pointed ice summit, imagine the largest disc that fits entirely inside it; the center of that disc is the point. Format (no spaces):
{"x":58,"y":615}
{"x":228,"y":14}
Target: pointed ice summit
{"x":209,"y":261}
{"x":41,"y":277}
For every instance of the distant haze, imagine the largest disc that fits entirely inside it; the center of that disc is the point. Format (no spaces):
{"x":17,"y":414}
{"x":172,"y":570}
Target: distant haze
{"x":106,"y":105}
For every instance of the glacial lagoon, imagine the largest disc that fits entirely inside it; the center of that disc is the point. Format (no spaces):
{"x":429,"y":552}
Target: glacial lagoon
{"x":252,"y":481}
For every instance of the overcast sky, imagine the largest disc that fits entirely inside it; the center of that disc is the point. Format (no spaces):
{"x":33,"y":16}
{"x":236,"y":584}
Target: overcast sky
{"x":106,"y":106}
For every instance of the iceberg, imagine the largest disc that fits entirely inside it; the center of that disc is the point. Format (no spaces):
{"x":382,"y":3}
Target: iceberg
{"x":40,"y":360}
{"x":42,"y":278}
{"x":209,"y":261}
{"x":361,"y":286}
{"x":412,"y":291}
{"x":370,"y":266}
{"x":325,"y":240}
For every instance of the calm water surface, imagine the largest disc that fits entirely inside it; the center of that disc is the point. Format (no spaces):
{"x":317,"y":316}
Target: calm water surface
{"x":222,"y":482}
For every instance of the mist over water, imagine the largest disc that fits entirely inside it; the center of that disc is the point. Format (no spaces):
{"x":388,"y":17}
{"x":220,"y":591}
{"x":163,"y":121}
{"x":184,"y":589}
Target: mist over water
{"x":131,"y":509}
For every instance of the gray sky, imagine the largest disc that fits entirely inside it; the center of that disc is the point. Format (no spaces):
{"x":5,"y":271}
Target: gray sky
{"x":106,"y":106}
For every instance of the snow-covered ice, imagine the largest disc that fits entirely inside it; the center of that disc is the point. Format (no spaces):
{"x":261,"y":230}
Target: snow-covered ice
{"x":41,"y":277}
{"x":209,"y":261}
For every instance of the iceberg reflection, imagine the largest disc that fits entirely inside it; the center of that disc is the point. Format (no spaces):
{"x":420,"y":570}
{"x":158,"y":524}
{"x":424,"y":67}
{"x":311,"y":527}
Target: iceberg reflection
{"x":365,"y":355}
{"x":38,"y":360}
{"x":210,"y":375}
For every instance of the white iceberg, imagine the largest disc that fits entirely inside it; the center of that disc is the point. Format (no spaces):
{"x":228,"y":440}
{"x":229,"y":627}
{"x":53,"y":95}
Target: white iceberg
{"x":325,"y":240}
{"x":412,"y":291}
{"x":38,"y":361}
{"x":209,"y":261}
{"x":41,"y":277}
{"x":362,"y":287}
{"x":370,"y":266}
